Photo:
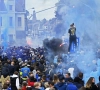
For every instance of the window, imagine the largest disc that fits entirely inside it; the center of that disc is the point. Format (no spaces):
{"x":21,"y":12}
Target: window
{"x":0,"y":21}
{"x":10,"y":21}
{"x":19,"y":21}
{"x":10,"y":7}
{"x":10,"y":37}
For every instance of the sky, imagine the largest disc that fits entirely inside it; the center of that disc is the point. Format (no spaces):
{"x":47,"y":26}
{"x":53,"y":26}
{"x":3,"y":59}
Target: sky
{"x":41,"y":5}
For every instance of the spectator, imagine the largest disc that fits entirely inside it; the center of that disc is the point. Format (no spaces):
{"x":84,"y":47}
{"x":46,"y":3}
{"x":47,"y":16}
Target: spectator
{"x":98,"y":84}
{"x":4,"y":74}
{"x":67,"y":77}
{"x":79,"y":79}
{"x":52,"y":71}
{"x":55,"y":79}
{"x":14,"y":81}
{"x":70,"y":85}
{"x":51,"y":85}
{"x":31,"y":80}
{"x":12,"y":68}
{"x":41,"y":66}
{"x":24,"y":85}
{"x":37,"y":86}
{"x":8,"y":84}
{"x":61,"y":85}
{"x":78,"y":85}
{"x":90,"y":85}
{"x":46,"y":86}
{"x":8,"y":61}
{"x":17,"y":66}
{"x":25,"y":71}
{"x":43,"y":80}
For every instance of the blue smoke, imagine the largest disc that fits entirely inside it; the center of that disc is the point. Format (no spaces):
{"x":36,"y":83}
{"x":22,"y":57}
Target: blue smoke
{"x":5,"y":39}
{"x":85,"y":15}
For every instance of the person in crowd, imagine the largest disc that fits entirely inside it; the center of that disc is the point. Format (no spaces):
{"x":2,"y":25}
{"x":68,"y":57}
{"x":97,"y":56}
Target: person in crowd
{"x":14,"y":79}
{"x":8,"y":61}
{"x":77,"y":83}
{"x":37,"y":86}
{"x":52,"y":71}
{"x":72,"y":36}
{"x":41,"y":66}
{"x":46,"y":84}
{"x":90,"y":85}
{"x":98,"y":84}
{"x":12,"y":68}
{"x":5,"y":74}
{"x":25,"y":72}
{"x":8,"y":83}
{"x":17,"y":67}
{"x":43,"y":80}
{"x":55,"y":79}
{"x":31,"y":80}
{"x":24,"y":85}
{"x":61,"y":85}
{"x":67,"y":76}
{"x":52,"y":85}
{"x":79,"y":79}
{"x":70,"y":85}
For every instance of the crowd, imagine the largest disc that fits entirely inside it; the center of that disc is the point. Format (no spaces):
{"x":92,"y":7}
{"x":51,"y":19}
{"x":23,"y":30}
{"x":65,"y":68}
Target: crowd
{"x":26,"y":68}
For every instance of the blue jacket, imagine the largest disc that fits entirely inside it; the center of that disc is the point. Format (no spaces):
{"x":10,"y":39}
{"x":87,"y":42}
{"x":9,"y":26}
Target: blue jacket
{"x":77,"y":85}
{"x":25,"y":71}
{"x":61,"y":86}
{"x":71,"y":86}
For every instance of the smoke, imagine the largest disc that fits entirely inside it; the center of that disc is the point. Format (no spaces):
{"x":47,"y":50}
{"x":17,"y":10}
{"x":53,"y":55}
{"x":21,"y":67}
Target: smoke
{"x":85,"y":14}
{"x":60,"y":30}
{"x":82,"y":13}
{"x":5,"y":38}
{"x":54,"y":47}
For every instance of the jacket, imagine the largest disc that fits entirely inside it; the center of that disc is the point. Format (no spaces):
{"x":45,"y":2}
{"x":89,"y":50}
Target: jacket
{"x":78,"y":85}
{"x":25,"y":71}
{"x":61,"y":86}
{"x":11,"y":69}
{"x":71,"y":86}
{"x":98,"y":84}
{"x":93,"y":87}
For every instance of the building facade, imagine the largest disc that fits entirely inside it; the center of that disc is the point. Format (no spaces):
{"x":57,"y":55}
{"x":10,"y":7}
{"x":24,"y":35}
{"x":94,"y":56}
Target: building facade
{"x":12,"y":20}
